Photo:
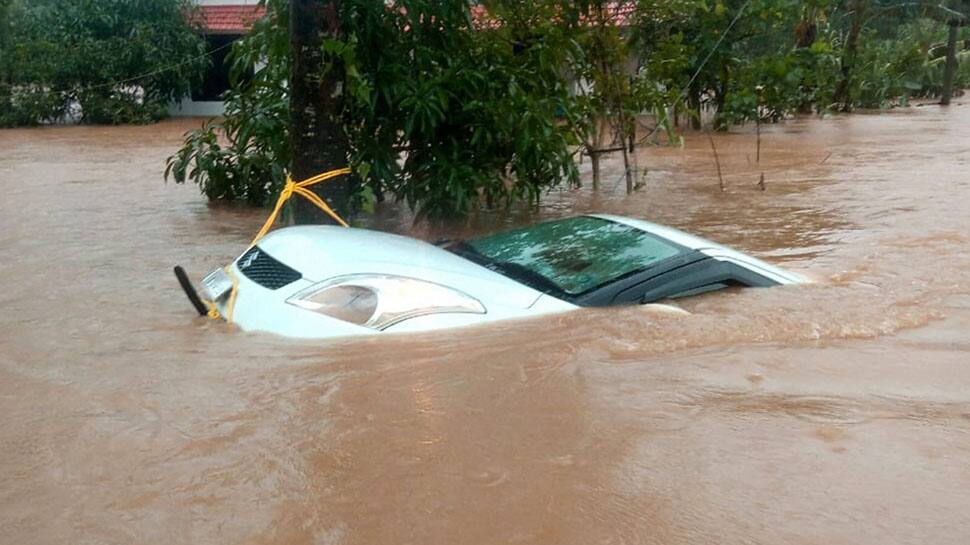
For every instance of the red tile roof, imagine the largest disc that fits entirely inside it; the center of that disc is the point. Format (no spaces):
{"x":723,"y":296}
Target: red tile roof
{"x":227,"y":19}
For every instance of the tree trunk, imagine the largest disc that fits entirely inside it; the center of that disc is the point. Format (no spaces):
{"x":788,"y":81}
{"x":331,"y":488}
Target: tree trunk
{"x":594,"y":161}
{"x":806,"y":32}
{"x":720,"y":98}
{"x":596,"y":145}
{"x":627,"y":167}
{"x":316,"y":93}
{"x":951,"y":63}
{"x":694,"y":105}
{"x":842,"y":92}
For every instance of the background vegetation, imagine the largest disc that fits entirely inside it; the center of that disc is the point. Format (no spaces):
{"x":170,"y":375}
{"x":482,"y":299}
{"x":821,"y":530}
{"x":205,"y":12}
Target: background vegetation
{"x":437,"y":114}
{"x":87,"y":60}
{"x":451,"y":106}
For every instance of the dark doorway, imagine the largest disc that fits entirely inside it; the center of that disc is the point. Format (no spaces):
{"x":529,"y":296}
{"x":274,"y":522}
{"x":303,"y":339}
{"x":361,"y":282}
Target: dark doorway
{"x":216,"y":79}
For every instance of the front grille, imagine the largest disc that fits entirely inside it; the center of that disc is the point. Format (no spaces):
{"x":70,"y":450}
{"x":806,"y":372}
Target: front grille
{"x":261,"y":268}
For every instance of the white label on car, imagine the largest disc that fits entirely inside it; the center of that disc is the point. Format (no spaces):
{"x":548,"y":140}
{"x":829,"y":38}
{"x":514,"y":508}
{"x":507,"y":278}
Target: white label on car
{"x":216,"y":284}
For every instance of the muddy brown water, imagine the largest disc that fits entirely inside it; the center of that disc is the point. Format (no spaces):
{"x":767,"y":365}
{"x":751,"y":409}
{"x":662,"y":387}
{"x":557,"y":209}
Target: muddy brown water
{"x":832,"y":413}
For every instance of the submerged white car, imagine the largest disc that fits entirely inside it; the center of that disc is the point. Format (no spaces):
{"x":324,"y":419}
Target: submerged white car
{"x":323,"y":281}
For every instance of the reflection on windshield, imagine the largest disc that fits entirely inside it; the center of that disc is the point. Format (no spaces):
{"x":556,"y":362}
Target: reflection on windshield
{"x":573,"y":255}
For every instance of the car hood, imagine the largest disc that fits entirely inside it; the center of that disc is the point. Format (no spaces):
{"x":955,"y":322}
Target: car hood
{"x":320,"y":252}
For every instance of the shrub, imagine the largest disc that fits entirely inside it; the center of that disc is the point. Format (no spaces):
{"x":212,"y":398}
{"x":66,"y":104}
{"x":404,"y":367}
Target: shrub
{"x":106,"y":61}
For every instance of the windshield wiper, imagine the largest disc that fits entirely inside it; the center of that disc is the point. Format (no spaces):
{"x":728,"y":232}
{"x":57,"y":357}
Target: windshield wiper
{"x":525,"y":275}
{"x":466,"y":250}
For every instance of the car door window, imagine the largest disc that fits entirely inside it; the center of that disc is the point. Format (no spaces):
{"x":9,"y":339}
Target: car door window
{"x":692,"y":279}
{"x":701,"y":289}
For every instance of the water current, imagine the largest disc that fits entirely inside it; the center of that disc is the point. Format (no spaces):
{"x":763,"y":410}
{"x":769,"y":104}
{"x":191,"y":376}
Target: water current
{"x":837,"y":412}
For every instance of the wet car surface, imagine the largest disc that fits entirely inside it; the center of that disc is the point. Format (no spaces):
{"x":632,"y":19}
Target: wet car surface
{"x":323,"y":281}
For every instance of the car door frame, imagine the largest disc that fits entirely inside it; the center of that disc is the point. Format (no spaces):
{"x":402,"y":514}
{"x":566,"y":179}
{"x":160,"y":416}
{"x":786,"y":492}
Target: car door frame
{"x":690,"y":278}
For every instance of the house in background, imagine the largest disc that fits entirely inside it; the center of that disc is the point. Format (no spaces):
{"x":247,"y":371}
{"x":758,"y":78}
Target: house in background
{"x":222,"y":22}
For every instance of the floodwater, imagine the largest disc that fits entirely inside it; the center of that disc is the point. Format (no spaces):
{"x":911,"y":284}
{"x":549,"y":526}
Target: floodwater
{"x":834,"y":413}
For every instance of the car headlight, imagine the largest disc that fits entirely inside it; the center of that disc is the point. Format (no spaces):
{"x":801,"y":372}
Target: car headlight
{"x":379,"y":301}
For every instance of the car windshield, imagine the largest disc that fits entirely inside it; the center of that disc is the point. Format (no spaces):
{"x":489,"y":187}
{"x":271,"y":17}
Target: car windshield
{"x":572,"y":255}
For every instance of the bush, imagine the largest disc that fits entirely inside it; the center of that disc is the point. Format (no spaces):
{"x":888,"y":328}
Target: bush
{"x":438,"y":114}
{"x":449,"y":117}
{"x":109,"y":61}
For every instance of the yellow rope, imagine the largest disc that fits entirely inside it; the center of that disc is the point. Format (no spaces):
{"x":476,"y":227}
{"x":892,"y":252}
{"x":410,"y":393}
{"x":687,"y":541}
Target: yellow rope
{"x":231,"y":304}
{"x":291,"y":188}
{"x":299,"y":188}
{"x":213,"y":311}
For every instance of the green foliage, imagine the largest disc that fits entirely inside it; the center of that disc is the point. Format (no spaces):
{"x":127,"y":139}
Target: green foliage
{"x":243,"y":156}
{"x":440,"y":115}
{"x":760,"y":70}
{"x":449,"y":114}
{"x":716,"y":43}
{"x":894,"y":69}
{"x":473,"y":110}
{"x":778,"y":85}
{"x":106,"y":61}
{"x":600,"y":64}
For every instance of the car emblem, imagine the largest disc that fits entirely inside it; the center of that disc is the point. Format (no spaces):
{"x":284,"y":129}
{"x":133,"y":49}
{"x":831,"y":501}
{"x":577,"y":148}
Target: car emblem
{"x":247,"y":261}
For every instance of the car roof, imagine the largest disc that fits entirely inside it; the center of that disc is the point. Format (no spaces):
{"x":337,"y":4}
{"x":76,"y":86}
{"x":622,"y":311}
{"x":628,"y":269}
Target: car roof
{"x":713,"y":249}
{"x":674,"y":235}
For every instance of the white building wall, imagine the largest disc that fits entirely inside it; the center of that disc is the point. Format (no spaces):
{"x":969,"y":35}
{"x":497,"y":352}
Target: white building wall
{"x":205,"y":108}
{"x":196,"y":108}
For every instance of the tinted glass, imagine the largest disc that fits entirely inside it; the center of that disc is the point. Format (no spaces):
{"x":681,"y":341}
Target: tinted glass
{"x":576,"y":254}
